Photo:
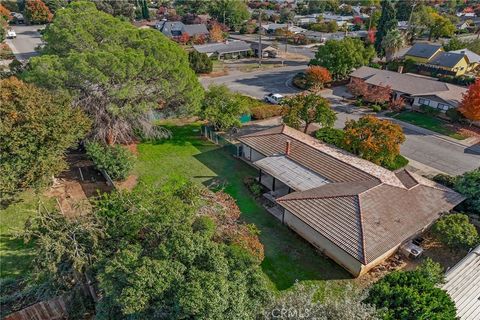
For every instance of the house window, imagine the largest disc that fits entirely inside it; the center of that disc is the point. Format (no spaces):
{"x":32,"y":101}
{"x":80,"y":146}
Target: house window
{"x":442,"y":106}
{"x":424,"y":101}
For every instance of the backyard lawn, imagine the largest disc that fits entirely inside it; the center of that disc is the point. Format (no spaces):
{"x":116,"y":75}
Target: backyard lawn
{"x":428,"y":122}
{"x":287,"y":257}
{"x":15,"y":256}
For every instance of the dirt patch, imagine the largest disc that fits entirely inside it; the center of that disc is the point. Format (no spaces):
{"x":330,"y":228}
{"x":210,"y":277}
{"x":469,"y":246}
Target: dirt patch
{"x":127,"y":184}
{"x":132,"y":147}
{"x":73,"y":187}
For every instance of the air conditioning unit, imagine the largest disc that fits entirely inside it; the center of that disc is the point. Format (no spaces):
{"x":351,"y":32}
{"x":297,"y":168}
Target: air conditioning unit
{"x":411,"y":250}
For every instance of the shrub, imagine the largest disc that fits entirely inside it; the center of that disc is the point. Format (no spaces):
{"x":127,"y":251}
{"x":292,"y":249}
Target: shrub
{"x":200,"y":62}
{"x":115,"y":160}
{"x":399,"y":162}
{"x":204,"y":225}
{"x":254,"y":186}
{"x":300,"y":81}
{"x":412,"y":294}
{"x":454,"y":115}
{"x":455,"y":231}
{"x":376,"y":108}
{"x":468,"y":185}
{"x":444,"y":179}
{"x":331,"y":136}
{"x":265,"y":111}
{"x":429,"y":110}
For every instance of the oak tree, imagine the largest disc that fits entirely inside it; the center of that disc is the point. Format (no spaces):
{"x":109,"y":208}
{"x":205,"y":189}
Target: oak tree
{"x":305,"y":109}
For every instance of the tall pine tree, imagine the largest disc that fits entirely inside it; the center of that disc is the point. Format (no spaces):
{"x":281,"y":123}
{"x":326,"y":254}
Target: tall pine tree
{"x":145,"y":12}
{"x":387,"y":23}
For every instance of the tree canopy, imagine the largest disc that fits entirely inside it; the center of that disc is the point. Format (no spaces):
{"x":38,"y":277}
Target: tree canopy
{"x":413,"y":295}
{"x":35,"y":131}
{"x":456,"y":231}
{"x":470,"y":104}
{"x":118,"y":74}
{"x":305,"y":109}
{"x":468,"y":185}
{"x":37,"y":12}
{"x":374,"y":139}
{"x":223,"y":108}
{"x":172,"y":252}
{"x":340,"y":57}
{"x":387,"y":23}
{"x":229,"y":12}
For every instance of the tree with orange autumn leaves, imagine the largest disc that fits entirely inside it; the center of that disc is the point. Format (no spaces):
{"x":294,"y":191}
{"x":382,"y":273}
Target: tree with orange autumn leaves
{"x":470,"y":105}
{"x":318,"y":76}
{"x":373,"y":94}
{"x":374,"y":139}
{"x":216,"y":33}
{"x":37,"y":12}
{"x":4,"y":13}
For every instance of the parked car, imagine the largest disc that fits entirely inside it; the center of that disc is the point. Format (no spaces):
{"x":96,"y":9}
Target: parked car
{"x":11,"y":34}
{"x":273,"y":98}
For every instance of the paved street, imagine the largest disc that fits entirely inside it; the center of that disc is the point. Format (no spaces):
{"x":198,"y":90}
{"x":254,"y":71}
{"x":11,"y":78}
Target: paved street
{"x":28,"y":38}
{"x":430,"y":153}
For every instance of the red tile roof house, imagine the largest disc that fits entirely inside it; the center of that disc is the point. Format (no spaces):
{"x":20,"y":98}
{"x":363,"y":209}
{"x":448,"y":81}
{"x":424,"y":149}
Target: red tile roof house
{"x":355,"y":212}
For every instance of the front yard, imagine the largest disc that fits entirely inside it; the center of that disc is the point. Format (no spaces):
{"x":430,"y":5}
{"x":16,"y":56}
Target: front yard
{"x":287,"y":257}
{"x":429,"y":122}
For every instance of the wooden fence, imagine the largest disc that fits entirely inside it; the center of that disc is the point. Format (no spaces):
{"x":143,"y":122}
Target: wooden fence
{"x":53,"y":309}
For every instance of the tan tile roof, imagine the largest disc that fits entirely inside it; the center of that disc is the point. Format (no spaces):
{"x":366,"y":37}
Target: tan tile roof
{"x":366,"y":210}
{"x":386,"y":215}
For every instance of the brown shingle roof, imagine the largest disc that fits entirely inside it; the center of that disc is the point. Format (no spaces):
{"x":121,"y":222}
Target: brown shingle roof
{"x":385,"y":215}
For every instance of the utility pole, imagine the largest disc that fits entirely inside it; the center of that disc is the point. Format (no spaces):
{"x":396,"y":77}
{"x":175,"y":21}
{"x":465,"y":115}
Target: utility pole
{"x":260,"y":48}
{"x":410,"y":18}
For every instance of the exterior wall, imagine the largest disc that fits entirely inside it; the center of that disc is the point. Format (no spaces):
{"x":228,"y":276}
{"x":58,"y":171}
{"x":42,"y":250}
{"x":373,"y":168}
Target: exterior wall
{"x":418,"y":101}
{"x":459,"y":69}
{"x":352,"y":265}
{"x":251,"y":154}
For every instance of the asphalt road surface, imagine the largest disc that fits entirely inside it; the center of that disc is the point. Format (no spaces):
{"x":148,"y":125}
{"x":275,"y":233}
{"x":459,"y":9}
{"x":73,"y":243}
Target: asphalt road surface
{"x":28,"y":38}
{"x":432,"y":152}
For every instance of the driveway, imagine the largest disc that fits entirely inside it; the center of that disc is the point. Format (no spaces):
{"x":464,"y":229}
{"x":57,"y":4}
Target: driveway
{"x":28,"y":38}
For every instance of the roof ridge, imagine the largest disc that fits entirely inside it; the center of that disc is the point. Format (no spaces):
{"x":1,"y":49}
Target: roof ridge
{"x":362,"y":233}
{"x":315,"y":197}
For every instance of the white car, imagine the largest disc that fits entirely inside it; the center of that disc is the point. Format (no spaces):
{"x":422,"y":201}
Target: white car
{"x":273,"y":98}
{"x":11,"y":34}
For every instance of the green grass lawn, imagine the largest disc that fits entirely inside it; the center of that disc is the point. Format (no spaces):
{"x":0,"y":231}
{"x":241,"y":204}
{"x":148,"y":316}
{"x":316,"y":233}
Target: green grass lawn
{"x":287,"y":257}
{"x":15,"y":255}
{"x":428,"y":122}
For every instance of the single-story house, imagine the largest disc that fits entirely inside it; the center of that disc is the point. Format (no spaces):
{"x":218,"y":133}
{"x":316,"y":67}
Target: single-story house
{"x":175,"y":29}
{"x":355,"y":212}
{"x":228,"y":49}
{"x":267,"y":50}
{"x":323,"y":36}
{"x":462,"y":283}
{"x":303,"y":20}
{"x":416,"y":90}
{"x":273,"y":27}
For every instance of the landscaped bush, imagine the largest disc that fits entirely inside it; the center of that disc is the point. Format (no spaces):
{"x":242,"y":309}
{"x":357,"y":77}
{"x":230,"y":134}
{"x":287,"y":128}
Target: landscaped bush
{"x":254,"y":186}
{"x":454,"y":115}
{"x":399,"y":162}
{"x":468,"y":185}
{"x":205,"y":225}
{"x":331,"y":136}
{"x":456,"y":231}
{"x":115,"y":160}
{"x":300,"y":81}
{"x":265,"y":111}
{"x":376,"y":108}
{"x":444,"y":179}
{"x":200,"y":62}
{"x":429,"y":110}
{"x":5,"y":52}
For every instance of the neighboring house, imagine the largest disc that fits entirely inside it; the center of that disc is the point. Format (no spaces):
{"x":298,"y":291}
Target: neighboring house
{"x":175,"y":29}
{"x":225,"y":50}
{"x":273,"y":27}
{"x":303,"y":20}
{"x":473,"y":58}
{"x":267,"y":50}
{"x":322,"y":36}
{"x":416,"y":90}
{"x":431,"y":58}
{"x":355,"y":212}
{"x":423,"y":52}
{"x":462,"y":283}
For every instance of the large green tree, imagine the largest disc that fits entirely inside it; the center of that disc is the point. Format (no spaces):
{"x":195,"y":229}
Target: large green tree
{"x":413,"y":295}
{"x":36,"y":128}
{"x":340,"y":57}
{"x":305,"y":109}
{"x":387,"y":23}
{"x":231,"y":12}
{"x":468,"y":184}
{"x":456,"y":231}
{"x":117,"y":8}
{"x":223,"y":108}
{"x":172,"y":252}
{"x":118,"y":74}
